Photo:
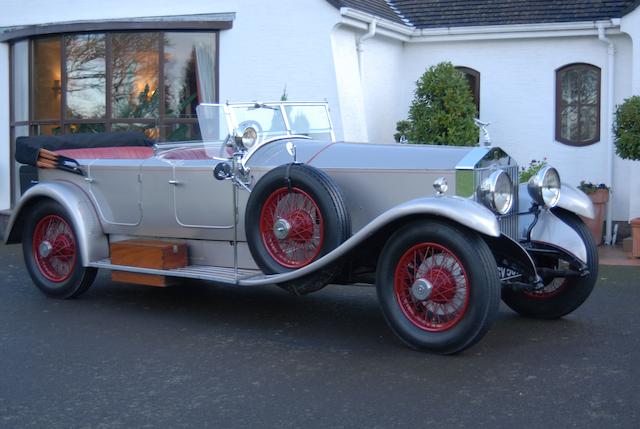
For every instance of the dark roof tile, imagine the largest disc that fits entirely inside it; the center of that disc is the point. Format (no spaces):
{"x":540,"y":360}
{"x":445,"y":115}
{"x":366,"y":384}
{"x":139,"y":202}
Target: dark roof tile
{"x":462,"y":13}
{"x":380,"y":8}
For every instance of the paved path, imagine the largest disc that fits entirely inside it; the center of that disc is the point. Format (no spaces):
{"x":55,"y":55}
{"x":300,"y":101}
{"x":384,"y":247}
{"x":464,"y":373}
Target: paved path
{"x":199,"y":356}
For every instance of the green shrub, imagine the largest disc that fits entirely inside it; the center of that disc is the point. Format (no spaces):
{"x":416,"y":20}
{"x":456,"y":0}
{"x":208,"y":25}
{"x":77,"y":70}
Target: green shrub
{"x":443,"y":109}
{"x":403,"y":128}
{"x":627,"y":128}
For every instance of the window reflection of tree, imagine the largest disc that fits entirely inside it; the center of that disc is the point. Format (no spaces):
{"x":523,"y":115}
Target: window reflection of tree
{"x":135,"y":75}
{"x":86,"y":75}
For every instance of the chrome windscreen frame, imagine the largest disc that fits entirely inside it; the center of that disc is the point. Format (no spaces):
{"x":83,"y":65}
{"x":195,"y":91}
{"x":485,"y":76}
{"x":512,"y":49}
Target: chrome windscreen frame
{"x":233,"y":123}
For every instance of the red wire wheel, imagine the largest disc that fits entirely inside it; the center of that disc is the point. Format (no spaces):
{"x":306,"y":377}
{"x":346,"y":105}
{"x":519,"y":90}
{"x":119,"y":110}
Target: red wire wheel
{"x":292,"y":227}
{"x":432,"y":287}
{"x":54,"y":248}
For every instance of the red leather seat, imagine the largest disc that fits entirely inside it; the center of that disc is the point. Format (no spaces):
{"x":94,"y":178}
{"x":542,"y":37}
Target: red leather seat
{"x":189,"y":153}
{"x":122,"y":152}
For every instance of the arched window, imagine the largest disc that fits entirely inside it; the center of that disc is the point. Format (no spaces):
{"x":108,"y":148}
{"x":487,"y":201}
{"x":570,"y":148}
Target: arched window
{"x":578,"y":104}
{"x":473,"y":78}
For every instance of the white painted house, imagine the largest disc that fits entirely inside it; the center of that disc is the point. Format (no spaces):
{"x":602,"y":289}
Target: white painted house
{"x":89,"y":66}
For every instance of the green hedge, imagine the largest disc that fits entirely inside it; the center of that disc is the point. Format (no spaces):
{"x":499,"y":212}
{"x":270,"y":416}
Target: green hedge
{"x":627,"y":129}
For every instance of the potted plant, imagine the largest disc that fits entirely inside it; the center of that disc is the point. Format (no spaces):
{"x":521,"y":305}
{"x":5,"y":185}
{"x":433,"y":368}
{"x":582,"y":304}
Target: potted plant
{"x":627,"y":140}
{"x":599,"y":195}
{"x":530,"y":170}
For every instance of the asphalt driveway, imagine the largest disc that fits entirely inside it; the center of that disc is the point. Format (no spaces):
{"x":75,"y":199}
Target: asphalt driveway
{"x":201,"y":356}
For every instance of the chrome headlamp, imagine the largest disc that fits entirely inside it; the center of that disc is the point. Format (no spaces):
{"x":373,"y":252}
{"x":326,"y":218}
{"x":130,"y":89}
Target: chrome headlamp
{"x":496,"y":192}
{"x":249,"y":137}
{"x":544,"y":187}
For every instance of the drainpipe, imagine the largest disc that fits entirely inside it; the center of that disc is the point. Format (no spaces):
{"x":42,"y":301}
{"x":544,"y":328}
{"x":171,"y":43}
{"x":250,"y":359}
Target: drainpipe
{"x":373,"y":25}
{"x":611,"y":52}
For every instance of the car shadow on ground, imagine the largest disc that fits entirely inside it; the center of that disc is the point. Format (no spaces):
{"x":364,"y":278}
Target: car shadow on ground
{"x":335,"y":317}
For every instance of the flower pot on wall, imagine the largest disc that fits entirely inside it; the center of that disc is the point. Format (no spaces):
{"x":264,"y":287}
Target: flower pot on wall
{"x":599,"y":198}
{"x":635,"y":233}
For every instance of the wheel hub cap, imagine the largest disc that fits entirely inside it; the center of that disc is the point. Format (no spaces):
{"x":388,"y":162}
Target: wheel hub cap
{"x":281,"y":229}
{"x":421,"y":289}
{"x":45,"y":249}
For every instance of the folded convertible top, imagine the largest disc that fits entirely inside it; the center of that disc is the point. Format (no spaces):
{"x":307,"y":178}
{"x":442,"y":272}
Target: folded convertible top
{"x":28,"y":148}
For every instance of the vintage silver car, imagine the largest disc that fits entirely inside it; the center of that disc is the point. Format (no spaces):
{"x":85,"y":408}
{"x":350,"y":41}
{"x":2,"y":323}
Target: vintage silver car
{"x":269,"y":197}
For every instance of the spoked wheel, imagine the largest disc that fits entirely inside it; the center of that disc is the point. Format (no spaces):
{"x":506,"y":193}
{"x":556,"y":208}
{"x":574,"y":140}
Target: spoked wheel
{"x":438,"y":286}
{"x":292,"y":227}
{"x":560,"y":296}
{"x":431,"y":287}
{"x":54,"y":247}
{"x":294,"y":216}
{"x":51,"y":253}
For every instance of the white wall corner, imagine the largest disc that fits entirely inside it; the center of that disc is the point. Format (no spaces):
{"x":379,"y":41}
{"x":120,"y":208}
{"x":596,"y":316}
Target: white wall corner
{"x":349,"y":86}
{"x":630,"y":24}
{"x":5,"y":144}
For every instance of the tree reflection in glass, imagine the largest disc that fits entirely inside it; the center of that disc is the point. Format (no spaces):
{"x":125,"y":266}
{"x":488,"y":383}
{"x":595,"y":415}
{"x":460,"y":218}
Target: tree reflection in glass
{"x":135,"y":63}
{"x":86,"y":76}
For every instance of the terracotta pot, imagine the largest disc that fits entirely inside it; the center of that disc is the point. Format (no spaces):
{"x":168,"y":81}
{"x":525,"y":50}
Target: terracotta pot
{"x":599,"y":198}
{"x":635,"y":233}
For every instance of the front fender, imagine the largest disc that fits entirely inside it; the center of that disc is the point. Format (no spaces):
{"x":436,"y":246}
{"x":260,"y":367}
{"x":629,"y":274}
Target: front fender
{"x":93,"y":242}
{"x":460,"y":210}
{"x":551,"y":230}
{"x":571,"y":199}
{"x":576,"y":201}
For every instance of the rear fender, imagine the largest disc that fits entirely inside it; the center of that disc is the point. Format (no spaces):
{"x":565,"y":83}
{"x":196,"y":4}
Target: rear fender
{"x":93,"y":242}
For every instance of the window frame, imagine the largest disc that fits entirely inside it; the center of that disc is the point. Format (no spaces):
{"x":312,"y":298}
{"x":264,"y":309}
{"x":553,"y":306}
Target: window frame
{"x":162,"y":122}
{"x":598,"y":105}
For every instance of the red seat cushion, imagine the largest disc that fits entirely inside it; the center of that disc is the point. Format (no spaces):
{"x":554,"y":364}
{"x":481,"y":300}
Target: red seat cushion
{"x":190,"y":153}
{"x":122,"y":152}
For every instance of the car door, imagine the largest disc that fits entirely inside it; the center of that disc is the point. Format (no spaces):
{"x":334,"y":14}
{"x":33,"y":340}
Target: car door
{"x":115,"y":186}
{"x":201,"y":201}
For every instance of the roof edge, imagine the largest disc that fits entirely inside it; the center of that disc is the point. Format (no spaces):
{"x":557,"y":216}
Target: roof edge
{"x":407,"y":33}
{"x":210,"y":21}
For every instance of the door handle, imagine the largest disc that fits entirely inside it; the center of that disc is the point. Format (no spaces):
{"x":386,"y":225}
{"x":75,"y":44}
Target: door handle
{"x":174,"y":182}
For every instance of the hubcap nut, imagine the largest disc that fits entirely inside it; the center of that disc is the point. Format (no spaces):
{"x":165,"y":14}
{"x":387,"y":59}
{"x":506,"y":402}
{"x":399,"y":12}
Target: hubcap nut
{"x":421,"y":289}
{"x":45,"y":249}
{"x":281,"y":229}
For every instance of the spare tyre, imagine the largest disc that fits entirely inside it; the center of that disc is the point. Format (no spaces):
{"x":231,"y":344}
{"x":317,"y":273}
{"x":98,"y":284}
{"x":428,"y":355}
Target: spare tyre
{"x":295,"y":215}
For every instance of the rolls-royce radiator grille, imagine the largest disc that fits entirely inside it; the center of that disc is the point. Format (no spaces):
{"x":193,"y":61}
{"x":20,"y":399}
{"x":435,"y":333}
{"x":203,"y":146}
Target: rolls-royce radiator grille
{"x":509,"y":222}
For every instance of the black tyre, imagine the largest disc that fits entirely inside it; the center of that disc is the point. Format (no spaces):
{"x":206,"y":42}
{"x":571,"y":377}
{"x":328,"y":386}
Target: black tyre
{"x":295,"y":215}
{"x":438,"y":286}
{"x":52,"y":253}
{"x":560,"y":296}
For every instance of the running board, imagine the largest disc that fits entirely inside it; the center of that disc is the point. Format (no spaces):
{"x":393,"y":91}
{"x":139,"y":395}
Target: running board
{"x":200,"y":272}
